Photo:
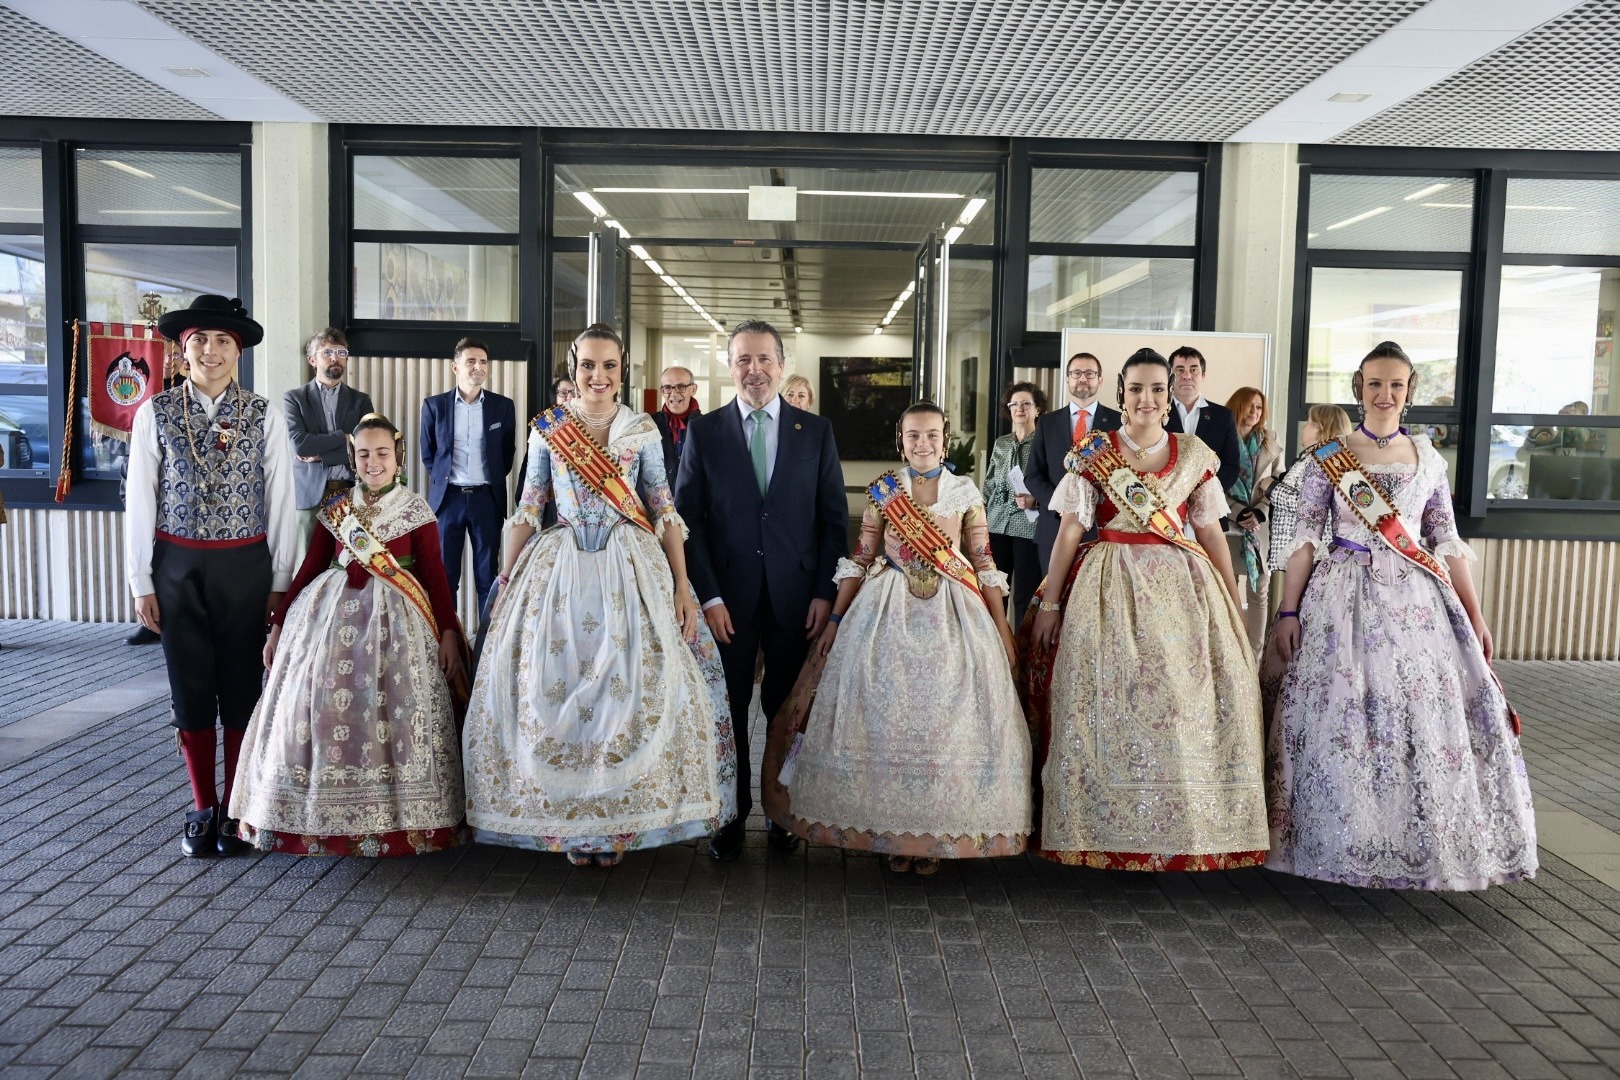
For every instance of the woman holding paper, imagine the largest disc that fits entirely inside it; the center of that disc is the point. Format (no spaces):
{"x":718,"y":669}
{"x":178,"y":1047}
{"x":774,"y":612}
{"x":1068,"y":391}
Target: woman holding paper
{"x":1008,"y":506}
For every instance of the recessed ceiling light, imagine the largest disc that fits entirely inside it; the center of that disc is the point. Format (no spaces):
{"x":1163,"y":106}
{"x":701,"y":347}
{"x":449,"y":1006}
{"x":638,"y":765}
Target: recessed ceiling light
{"x":190,"y":72}
{"x":1349,"y":97}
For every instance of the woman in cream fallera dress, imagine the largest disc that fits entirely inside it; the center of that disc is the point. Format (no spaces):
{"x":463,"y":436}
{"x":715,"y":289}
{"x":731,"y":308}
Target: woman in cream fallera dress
{"x":914,"y":743}
{"x":594,"y":727}
{"x":1146,"y":717}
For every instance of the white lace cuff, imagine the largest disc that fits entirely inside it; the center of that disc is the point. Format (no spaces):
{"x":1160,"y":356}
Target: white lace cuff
{"x":847,"y":568}
{"x":1455,"y":549}
{"x":665,"y":520}
{"x":992,"y":579}
{"x":526,"y":515}
{"x":1074,"y":496}
{"x":1296,"y":542}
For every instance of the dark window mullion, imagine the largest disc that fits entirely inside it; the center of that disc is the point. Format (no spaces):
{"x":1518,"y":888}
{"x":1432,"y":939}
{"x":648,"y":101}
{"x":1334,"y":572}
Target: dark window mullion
{"x":416,"y":236}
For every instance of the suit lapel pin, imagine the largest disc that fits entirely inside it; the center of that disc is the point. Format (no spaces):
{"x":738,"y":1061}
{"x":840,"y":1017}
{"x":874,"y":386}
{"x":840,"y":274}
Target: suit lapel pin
{"x":798,"y":427}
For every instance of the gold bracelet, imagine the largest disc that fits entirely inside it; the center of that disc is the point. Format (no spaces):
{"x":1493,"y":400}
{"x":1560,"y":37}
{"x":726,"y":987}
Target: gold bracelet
{"x":1045,"y":606}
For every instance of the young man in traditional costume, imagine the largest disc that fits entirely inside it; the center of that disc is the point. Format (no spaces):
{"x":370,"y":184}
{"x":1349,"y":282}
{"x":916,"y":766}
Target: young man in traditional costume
{"x":210,"y":531}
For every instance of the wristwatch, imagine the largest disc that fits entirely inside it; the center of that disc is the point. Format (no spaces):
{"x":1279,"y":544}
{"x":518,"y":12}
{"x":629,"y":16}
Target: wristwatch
{"x":1047,"y":606}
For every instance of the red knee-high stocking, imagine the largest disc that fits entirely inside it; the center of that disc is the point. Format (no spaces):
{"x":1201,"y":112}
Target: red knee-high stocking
{"x":197,"y":747}
{"x":233,"y":752}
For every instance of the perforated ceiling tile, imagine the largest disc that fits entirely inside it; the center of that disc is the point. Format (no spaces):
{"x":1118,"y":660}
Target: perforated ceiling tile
{"x":1163,"y":69}
{"x":1556,"y":88}
{"x":45,"y":74}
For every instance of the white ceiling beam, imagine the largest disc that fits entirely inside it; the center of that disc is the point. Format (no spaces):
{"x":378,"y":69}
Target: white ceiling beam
{"x":1438,"y":40}
{"x":140,"y":42}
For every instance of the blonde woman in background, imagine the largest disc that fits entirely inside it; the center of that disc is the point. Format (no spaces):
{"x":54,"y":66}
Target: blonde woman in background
{"x":1260,"y":463}
{"x":796,"y":392}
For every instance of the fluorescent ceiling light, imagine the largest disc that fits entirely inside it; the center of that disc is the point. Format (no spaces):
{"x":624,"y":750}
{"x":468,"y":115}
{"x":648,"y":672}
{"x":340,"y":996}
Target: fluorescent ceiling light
{"x":887,"y":194}
{"x":1374,"y":212}
{"x":588,"y":201}
{"x":670,"y":191}
{"x":953,"y":234}
{"x":132,"y":170}
{"x":798,"y":329}
{"x":1448,"y":205}
{"x":971,"y":211}
{"x":1430,"y":190}
{"x":204,"y":196}
{"x":1532,"y":206}
{"x":1349,"y":96}
{"x":190,"y":72}
{"x":610,"y":223}
{"x":641,"y":253}
{"x":876,"y":330}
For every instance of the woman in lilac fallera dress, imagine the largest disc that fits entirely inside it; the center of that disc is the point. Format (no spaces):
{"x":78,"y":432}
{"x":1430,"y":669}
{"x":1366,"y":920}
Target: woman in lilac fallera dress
{"x":1392,"y":756}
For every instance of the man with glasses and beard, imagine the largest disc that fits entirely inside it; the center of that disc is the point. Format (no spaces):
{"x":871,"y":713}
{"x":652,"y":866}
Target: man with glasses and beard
{"x":1056,"y":433}
{"x":678,"y":390}
{"x":320,"y":414}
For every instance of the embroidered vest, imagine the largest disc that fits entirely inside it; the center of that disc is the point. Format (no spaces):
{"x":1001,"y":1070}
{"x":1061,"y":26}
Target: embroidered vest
{"x":223,"y":500}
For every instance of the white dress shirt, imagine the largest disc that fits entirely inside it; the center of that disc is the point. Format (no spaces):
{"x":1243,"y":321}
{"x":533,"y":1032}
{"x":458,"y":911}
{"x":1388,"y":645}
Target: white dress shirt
{"x":1189,"y":416}
{"x":773,"y":409}
{"x":146,"y":470}
{"x":1091,"y":415}
{"x":467,"y":441}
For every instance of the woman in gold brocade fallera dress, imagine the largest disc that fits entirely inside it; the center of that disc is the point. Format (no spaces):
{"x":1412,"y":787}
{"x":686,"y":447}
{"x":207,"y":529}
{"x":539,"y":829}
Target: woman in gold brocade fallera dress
{"x":913,"y":742}
{"x":1142,"y":697}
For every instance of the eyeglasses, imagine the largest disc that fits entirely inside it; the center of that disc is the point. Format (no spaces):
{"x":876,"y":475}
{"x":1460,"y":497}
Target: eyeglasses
{"x":567,"y":395}
{"x":670,"y":389}
{"x":1084,"y":374}
{"x":335,"y":354}
{"x":1020,"y":404}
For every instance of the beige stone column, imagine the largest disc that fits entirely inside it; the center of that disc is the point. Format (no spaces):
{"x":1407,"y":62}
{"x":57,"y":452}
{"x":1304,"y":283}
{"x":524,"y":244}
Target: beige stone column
{"x":291,"y":272}
{"x":1254,"y":290}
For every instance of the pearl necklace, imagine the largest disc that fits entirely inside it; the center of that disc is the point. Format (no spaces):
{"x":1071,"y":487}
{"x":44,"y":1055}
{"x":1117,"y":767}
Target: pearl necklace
{"x":1144,"y":451}
{"x":597,"y":422}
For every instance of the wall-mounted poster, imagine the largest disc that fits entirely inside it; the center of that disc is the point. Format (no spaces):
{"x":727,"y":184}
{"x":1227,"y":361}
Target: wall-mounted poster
{"x":863,"y":396}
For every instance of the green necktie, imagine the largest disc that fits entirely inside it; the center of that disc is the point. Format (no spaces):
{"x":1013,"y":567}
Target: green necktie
{"x":756,"y":446}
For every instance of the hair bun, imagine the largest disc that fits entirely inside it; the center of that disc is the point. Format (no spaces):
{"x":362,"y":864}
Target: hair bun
{"x":599,"y":327}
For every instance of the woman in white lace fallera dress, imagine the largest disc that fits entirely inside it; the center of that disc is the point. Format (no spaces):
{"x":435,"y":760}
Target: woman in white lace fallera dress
{"x":914,"y":743}
{"x":1392,"y":756}
{"x":599,"y":721}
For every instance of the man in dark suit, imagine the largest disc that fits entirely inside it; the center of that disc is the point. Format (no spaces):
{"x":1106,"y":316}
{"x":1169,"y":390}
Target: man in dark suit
{"x":320,"y":415}
{"x":1055,"y":434}
{"x":1192,"y":414}
{"x":678,"y":390}
{"x":762,"y":493}
{"x":469,"y":437}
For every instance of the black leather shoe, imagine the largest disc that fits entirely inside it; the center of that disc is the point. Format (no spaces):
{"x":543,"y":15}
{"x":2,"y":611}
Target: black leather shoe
{"x":779,"y":839}
{"x":142,"y":636}
{"x":228,"y":842}
{"x":727,"y":844}
{"x":200,"y":835}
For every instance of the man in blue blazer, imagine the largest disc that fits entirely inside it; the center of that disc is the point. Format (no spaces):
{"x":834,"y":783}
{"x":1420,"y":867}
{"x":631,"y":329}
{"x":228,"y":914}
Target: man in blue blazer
{"x":1191,"y":413}
{"x":762,"y":494}
{"x":1055,"y":435}
{"x":469,"y":437}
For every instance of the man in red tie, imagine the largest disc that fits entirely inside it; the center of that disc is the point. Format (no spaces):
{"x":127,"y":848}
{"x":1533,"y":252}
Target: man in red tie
{"x":1059,"y":430}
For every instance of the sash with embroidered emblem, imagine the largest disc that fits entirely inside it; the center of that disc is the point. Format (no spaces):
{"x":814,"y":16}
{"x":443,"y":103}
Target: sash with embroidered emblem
{"x":338,"y":515}
{"x":591,"y":464}
{"x":1378,"y":514}
{"x":918,"y":531}
{"x":1131,"y":493}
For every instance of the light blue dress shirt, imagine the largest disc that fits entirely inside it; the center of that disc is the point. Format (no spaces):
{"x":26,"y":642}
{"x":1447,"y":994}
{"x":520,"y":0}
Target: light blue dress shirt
{"x":467,"y":443}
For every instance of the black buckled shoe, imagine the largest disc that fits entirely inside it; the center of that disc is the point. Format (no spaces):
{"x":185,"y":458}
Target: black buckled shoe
{"x":229,"y":842}
{"x":779,"y":839}
{"x":200,"y":836}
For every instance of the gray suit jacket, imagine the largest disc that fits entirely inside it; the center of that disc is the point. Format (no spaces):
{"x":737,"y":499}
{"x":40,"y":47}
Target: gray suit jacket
{"x":306,"y":424}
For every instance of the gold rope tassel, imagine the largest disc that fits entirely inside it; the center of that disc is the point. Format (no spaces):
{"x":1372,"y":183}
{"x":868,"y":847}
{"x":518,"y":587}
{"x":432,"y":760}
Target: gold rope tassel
{"x":64,"y":477}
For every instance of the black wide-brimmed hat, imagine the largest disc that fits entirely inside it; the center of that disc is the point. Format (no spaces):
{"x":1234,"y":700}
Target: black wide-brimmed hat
{"x":210,"y":312}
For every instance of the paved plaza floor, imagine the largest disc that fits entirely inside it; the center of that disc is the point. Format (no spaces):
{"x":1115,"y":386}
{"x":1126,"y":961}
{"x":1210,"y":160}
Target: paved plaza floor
{"x":118,"y":957}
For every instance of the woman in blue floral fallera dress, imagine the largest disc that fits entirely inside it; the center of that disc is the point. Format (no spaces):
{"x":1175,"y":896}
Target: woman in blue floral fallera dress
{"x":1392,"y":757}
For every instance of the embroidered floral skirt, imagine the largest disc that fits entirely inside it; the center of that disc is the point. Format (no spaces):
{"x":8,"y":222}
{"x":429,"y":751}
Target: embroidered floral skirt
{"x":353,"y":748}
{"x":914,"y":740}
{"x":1145,"y":718}
{"x":593,"y":726}
{"x":1391,"y":761}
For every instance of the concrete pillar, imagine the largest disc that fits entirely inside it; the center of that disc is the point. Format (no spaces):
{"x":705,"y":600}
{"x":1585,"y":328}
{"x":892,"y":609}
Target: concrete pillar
{"x":1255,"y":289}
{"x":291,"y":272}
